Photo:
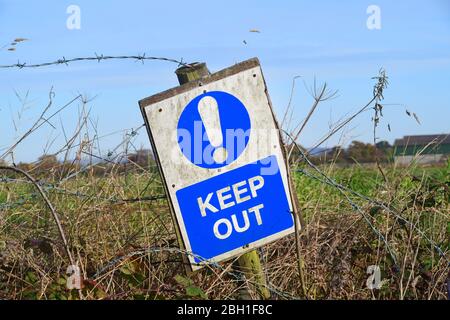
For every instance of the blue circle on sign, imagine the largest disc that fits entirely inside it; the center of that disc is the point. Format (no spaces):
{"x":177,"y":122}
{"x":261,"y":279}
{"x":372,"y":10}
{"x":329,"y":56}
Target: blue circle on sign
{"x":213,"y":129}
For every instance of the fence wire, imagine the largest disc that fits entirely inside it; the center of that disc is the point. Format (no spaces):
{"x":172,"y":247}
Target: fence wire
{"x":325,"y":179}
{"x":137,"y":58}
{"x":238,"y":276}
{"x":319,"y":176}
{"x":111,"y":157}
{"x":338,"y":186}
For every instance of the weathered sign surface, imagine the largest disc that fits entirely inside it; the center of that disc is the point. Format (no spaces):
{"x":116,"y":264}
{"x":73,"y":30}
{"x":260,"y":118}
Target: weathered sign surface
{"x":218,"y":149}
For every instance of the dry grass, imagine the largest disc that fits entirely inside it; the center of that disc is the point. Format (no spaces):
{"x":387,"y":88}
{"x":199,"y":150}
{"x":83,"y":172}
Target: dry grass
{"x":337,"y":244}
{"x":126,"y":247}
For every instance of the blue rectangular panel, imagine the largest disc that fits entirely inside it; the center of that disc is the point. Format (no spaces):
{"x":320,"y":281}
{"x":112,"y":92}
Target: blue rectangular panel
{"x":235,"y":208}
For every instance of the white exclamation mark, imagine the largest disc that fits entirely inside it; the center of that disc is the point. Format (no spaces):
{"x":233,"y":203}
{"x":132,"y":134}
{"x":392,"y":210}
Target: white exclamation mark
{"x":209,"y":112}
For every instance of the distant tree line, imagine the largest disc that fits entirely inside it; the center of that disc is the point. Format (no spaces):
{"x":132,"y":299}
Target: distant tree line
{"x":49,"y":165}
{"x":143,"y":159}
{"x":356,"y":152}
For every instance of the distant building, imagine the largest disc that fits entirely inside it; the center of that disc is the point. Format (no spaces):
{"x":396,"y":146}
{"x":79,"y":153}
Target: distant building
{"x":423,"y":149}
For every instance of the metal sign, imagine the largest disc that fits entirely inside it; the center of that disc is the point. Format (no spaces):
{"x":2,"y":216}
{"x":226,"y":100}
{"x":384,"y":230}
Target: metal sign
{"x":218,"y":149}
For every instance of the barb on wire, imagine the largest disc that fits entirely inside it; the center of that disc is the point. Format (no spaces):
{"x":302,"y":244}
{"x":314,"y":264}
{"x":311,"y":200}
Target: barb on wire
{"x":98,"y":58}
{"x":128,"y":138}
{"x":48,"y":186}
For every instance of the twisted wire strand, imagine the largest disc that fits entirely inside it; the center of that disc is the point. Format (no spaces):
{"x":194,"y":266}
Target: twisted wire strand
{"x":137,"y":58}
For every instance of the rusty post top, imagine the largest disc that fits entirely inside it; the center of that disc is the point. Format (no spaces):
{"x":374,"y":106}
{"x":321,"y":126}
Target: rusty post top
{"x":193,"y":71}
{"x":198,"y":71}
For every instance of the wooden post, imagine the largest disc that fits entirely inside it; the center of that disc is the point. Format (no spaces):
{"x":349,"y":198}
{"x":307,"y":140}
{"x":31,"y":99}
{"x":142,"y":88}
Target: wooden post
{"x":191,"y":72}
{"x":248,"y":264}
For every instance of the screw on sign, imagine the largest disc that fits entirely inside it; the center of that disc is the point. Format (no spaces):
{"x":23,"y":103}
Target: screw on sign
{"x":218,"y":149}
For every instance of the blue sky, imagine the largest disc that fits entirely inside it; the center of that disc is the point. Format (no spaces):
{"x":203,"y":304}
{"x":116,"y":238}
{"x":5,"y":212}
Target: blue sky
{"x":326,"y":40}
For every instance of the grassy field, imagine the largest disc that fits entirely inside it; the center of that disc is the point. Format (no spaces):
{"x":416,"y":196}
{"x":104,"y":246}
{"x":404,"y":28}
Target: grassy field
{"x":126,"y":246}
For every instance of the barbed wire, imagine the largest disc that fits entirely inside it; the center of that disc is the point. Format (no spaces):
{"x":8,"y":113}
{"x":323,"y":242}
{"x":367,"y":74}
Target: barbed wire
{"x":48,"y":186}
{"x":354,"y":205}
{"x":334,"y":184}
{"x":137,"y":58}
{"x":238,"y":276}
{"x":51,"y":187}
{"x":128,"y":138}
{"x":331,"y":182}
{"x":208,"y":263}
